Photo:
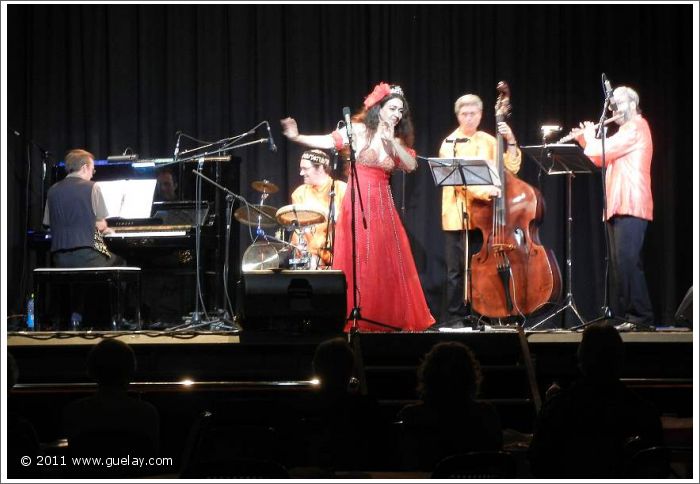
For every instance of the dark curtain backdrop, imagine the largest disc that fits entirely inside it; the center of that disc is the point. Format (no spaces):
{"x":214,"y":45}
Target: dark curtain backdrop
{"x":105,"y":77}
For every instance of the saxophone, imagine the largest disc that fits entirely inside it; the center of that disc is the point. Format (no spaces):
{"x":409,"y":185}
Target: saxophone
{"x":99,"y":244}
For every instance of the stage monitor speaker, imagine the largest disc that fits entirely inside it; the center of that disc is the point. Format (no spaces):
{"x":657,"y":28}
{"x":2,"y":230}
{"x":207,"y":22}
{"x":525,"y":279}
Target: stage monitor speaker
{"x":297,"y":301}
{"x":684,"y":313}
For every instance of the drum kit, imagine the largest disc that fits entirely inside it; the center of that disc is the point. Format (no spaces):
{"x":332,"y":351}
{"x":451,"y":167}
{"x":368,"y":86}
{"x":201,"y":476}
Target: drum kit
{"x":268,"y":252}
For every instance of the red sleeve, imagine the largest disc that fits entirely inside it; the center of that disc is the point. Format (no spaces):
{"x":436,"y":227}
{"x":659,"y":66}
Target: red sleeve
{"x":410,"y":151}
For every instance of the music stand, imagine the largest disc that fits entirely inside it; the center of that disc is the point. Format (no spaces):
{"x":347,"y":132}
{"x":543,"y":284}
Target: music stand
{"x":569,"y":160}
{"x":448,"y":172}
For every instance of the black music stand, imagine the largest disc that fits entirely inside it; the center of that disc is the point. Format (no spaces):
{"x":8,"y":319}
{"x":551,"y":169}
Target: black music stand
{"x":569,"y":160}
{"x":448,"y":172}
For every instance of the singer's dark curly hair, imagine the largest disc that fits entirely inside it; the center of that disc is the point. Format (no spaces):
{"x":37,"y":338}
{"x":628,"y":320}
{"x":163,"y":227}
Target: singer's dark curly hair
{"x":370,"y":118}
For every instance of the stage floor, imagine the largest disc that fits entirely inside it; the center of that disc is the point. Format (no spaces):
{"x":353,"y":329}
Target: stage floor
{"x":71,"y":338}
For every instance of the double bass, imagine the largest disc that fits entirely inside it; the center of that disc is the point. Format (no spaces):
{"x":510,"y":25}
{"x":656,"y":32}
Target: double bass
{"x":513,"y":274}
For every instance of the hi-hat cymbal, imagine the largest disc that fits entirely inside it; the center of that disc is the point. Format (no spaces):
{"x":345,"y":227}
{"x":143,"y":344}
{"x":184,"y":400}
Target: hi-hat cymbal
{"x":249,"y":216}
{"x":264,"y":186}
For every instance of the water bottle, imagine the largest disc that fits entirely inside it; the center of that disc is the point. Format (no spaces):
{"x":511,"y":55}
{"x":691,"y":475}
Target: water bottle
{"x":75,"y":320}
{"x":30,"y":313}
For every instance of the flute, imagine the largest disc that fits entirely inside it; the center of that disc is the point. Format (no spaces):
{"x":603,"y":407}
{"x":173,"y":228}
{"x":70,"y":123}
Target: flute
{"x":577,"y":131}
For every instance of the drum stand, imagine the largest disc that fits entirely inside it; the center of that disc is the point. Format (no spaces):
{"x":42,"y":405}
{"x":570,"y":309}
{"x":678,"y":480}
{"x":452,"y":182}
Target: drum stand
{"x":302,"y":262}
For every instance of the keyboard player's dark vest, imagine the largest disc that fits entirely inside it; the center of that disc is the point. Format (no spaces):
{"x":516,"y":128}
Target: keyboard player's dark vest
{"x":70,"y":214}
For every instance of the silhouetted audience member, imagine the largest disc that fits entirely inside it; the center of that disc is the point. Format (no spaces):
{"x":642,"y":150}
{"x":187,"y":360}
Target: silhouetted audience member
{"x":22,"y":439}
{"x":112,"y":412}
{"x":448,"y":420}
{"x":340,"y":422}
{"x":582,"y":430}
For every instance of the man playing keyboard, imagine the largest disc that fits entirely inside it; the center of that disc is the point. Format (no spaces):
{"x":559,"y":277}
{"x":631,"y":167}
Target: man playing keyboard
{"x":76,"y":212}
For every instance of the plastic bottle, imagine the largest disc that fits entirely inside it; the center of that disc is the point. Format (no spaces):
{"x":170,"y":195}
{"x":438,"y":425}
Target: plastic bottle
{"x":30,"y":313}
{"x":75,"y":320}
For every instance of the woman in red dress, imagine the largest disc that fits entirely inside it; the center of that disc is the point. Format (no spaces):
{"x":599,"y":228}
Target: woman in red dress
{"x":389,"y":292}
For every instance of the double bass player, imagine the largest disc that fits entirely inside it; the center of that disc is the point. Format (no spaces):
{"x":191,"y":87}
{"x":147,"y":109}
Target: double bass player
{"x":468,"y":141}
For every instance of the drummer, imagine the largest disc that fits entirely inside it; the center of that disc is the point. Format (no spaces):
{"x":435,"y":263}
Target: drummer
{"x":319,"y":192}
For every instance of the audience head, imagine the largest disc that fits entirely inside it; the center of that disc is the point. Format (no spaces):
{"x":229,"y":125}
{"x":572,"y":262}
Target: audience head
{"x":111,"y":363}
{"x":333,"y":364}
{"x":601,"y":352}
{"x":449,"y":373}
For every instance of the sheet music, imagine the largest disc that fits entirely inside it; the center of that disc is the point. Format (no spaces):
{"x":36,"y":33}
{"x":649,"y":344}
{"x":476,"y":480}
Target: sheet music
{"x":128,"y":198}
{"x":446,"y":171}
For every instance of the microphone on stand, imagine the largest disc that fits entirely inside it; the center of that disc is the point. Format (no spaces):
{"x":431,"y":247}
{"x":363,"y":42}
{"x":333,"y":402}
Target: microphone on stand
{"x":177,"y":145}
{"x":609,"y":93}
{"x":334,"y":152}
{"x":348,"y":124}
{"x":270,"y":142}
{"x":454,"y":144}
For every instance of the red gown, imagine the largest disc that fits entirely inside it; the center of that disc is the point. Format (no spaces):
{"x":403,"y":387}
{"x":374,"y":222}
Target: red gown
{"x":389,"y":290}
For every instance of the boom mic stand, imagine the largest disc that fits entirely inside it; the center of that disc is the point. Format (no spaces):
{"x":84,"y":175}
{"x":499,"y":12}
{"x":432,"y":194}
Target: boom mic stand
{"x":228,"y":143}
{"x":230,"y":196}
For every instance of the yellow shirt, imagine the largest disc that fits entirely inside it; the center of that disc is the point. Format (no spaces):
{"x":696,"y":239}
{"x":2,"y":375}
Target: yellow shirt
{"x":318,"y":198}
{"x":457,"y":200}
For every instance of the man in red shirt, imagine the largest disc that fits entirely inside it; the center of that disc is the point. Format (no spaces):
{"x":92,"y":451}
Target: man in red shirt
{"x":629,"y":201}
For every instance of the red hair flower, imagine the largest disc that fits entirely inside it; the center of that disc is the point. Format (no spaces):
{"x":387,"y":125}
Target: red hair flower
{"x":381,"y":90}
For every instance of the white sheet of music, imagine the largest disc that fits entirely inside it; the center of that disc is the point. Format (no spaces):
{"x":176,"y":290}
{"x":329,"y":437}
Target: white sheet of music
{"x":128,"y":198}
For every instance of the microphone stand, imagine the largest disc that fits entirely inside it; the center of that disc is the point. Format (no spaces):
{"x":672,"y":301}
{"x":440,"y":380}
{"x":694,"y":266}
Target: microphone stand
{"x":607,"y":313}
{"x":230,"y":196}
{"x":195,"y":321}
{"x":330,"y":225}
{"x":45,"y":156}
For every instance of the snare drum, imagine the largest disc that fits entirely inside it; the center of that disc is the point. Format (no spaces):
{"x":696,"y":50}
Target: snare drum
{"x":300,"y":215}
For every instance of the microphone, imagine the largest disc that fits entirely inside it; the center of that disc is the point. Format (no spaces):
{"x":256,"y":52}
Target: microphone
{"x":177,"y":145}
{"x":115,"y":158}
{"x":270,"y":142}
{"x":348,"y":124}
{"x":334,"y":152}
{"x":609,"y":93}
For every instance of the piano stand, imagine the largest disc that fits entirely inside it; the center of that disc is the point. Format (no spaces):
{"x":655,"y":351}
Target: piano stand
{"x":116,"y":278}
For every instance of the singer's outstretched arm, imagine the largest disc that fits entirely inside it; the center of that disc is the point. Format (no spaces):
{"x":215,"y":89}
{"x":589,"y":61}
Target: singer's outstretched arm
{"x":291,"y":131}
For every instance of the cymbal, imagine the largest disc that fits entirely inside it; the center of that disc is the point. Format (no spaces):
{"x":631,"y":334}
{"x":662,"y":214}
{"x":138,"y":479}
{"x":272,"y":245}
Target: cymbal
{"x":300,"y":215}
{"x":259,"y":256}
{"x":264,"y":186}
{"x":248,"y":216}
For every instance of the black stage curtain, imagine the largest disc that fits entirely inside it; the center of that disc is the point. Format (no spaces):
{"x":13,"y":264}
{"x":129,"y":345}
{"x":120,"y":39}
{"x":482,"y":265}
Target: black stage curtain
{"x":105,"y":77}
